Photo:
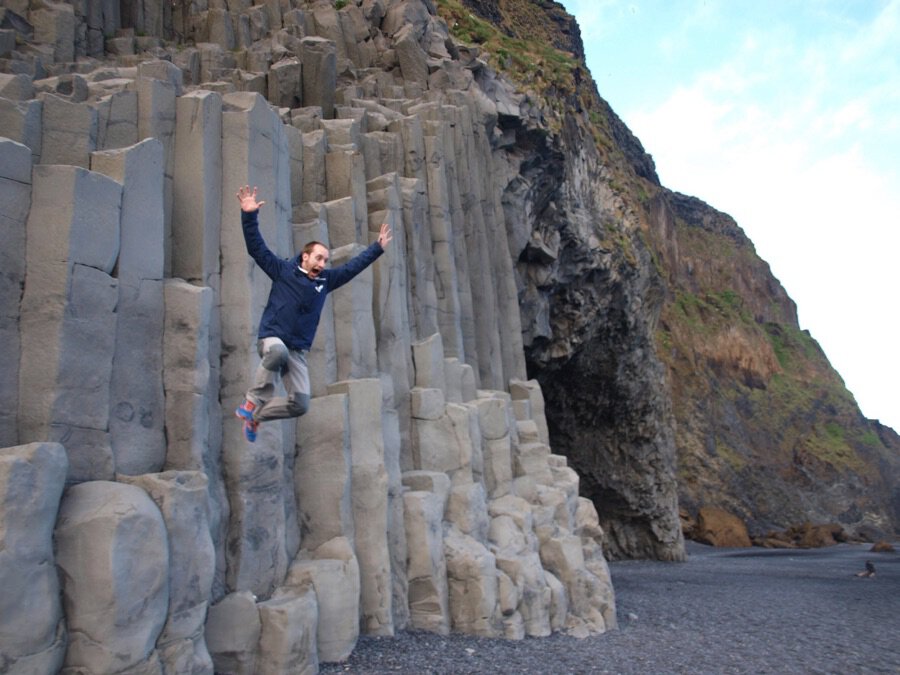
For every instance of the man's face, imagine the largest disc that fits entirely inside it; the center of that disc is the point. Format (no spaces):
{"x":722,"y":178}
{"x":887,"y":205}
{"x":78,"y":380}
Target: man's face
{"x":315,"y":261}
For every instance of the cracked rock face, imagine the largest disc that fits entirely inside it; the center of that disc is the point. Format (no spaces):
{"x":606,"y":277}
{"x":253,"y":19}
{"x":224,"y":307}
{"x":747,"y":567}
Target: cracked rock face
{"x":590,"y":302}
{"x":422,"y":481}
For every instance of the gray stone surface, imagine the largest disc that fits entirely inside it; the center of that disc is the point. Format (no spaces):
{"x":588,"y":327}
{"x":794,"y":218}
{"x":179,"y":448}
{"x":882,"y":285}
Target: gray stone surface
{"x":156,"y":119}
{"x":233,"y":628}
{"x":369,"y":500}
{"x":15,"y":87}
{"x":285,"y":83}
{"x":113,"y":555}
{"x":68,"y":316}
{"x":54,"y":24}
{"x":287,"y":639}
{"x":472,"y":585}
{"x":117,"y":120}
{"x":314,"y":150}
{"x":161,"y":69}
{"x":345,"y":176}
{"x":332,"y":572}
{"x":181,"y":497}
{"x":186,"y":373}
{"x":428,"y":358}
{"x":322,"y":472}
{"x":427,"y":572}
{"x":197,"y":187}
{"x":354,"y":326}
{"x":15,"y":202}
{"x":420,"y":263}
{"x":32,"y":625}
{"x":22,"y":121}
{"x":68,"y":132}
{"x":319,"y":57}
{"x":137,"y":406}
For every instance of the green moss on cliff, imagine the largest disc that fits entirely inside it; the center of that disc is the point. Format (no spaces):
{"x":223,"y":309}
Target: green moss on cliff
{"x":792,"y":346}
{"x":533,"y":62}
{"x":734,"y":459}
{"x":800,"y":413}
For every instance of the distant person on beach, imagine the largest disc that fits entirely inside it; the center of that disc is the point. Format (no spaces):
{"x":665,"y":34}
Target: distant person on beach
{"x":291,"y":316}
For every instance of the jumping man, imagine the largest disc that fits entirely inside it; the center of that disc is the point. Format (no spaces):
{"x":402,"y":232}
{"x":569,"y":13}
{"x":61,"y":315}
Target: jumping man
{"x":291,"y":316}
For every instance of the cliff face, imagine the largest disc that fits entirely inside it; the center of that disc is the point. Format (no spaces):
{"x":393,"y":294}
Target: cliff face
{"x":661,"y":337}
{"x":766,"y":428}
{"x":420,"y":490}
{"x":589,"y":293}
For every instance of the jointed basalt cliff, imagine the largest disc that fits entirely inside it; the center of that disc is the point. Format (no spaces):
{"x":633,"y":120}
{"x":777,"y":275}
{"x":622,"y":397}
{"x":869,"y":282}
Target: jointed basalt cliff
{"x":532,"y":239}
{"x":658,"y":334}
{"x":140,"y":531}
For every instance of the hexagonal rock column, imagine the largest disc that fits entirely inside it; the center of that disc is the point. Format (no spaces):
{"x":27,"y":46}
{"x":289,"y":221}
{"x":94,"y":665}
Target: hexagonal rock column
{"x":443,"y":435}
{"x":472,"y":585}
{"x":197,"y":188}
{"x":322,"y":471}
{"x":515,"y":546}
{"x":69,"y":132}
{"x":427,"y":571}
{"x":32,"y":627}
{"x":530,"y":391}
{"x":156,"y":119}
{"x":15,"y":201}
{"x":287,"y":639}
{"x":354,"y":326}
{"x":21,"y":121}
{"x":113,"y":555}
{"x":137,"y":406}
{"x":233,"y":628}
{"x":254,"y":152}
{"x":370,"y":503}
{"x":332,"y":570}
{"x":423,"y":301}
{"x":68,"y":320}
{"x":186,"y":373}
{"x":319,"y":58}
{"x":496,"y":445}
{"x":182,"y":499}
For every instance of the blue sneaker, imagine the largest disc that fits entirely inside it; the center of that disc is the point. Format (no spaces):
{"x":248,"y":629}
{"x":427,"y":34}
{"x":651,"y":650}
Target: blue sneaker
{"x":244,"y":412}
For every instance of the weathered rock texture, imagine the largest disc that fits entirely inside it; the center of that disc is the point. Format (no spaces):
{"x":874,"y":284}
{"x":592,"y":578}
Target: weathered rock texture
{"x":431,"y":485}
{"x":766,"y":428}
{"x":421,"y":489}
{"x":659,"y":337}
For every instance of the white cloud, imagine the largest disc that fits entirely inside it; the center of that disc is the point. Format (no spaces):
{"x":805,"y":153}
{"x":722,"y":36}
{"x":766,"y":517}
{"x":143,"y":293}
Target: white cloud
{"x":784,"y":117}
{"x":595,"y":17}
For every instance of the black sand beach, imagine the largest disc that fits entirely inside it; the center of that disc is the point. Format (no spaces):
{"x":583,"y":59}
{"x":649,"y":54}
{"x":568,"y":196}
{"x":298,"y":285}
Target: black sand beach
{"x":723,"y":611}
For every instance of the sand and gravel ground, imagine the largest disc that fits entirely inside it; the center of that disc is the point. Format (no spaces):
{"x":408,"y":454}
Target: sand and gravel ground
{"x":722,"y":611}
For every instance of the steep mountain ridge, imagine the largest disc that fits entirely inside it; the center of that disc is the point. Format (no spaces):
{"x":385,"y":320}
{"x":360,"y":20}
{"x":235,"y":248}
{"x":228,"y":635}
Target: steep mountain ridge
{"x":763,"y":425}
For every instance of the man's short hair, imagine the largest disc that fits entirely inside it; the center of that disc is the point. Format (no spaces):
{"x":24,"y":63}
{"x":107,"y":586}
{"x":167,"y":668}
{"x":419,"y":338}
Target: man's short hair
{"x":311,"y":245}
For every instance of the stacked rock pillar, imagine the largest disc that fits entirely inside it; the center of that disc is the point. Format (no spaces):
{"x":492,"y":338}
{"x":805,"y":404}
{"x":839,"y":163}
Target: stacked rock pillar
{"x":253,"y":153}
{"x":369,"y":503}
{"x":31,"y":483}
{"x":15,"y":200}
{"x":137,"y":407}
{"x":68,"y":310}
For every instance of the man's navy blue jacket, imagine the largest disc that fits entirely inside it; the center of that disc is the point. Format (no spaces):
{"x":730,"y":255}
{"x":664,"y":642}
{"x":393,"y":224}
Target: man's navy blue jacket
{"x":295,"y":301}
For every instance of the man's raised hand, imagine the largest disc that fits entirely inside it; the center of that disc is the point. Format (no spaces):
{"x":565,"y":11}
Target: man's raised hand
{"x":384,"y":237}
{"x":247,"y":198}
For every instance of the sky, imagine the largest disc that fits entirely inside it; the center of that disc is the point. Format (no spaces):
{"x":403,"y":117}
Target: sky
{"x":784,"y":114}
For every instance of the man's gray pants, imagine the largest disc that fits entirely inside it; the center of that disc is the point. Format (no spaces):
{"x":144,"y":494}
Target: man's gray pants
{"x":290,"y":365}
